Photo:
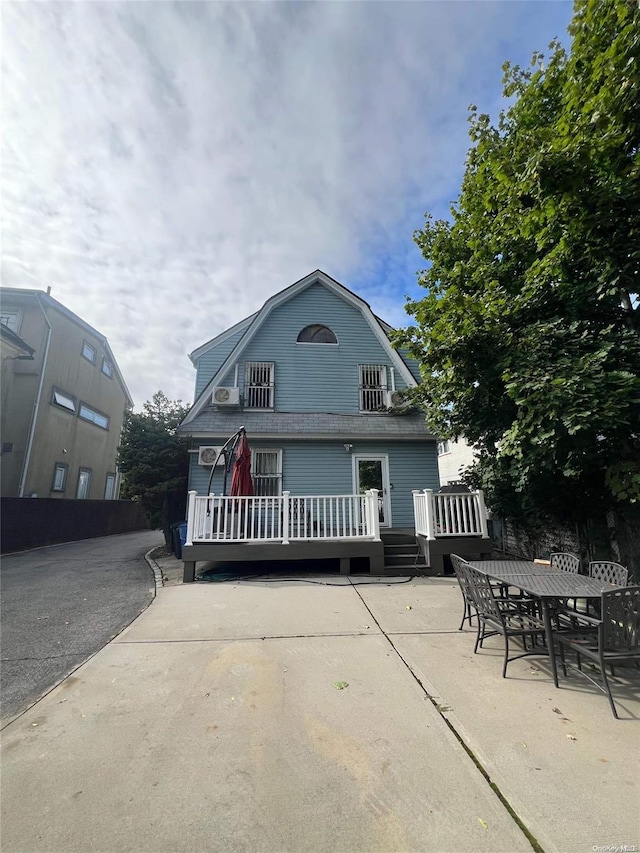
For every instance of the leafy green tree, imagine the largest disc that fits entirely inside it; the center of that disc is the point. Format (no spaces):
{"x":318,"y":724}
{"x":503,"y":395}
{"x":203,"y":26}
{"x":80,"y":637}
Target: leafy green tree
{"x":153,"y":457}
{"x":529,"y":334}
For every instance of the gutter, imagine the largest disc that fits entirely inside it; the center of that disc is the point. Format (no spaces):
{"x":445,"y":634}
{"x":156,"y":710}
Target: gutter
{"x":36,"y":405}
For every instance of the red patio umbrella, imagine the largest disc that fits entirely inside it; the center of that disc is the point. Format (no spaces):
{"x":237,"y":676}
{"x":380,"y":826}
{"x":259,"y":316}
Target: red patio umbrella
{"x":241,"y":482}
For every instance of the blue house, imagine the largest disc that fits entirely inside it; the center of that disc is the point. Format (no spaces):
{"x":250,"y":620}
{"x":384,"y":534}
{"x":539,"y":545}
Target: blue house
{"x":336,"y":454}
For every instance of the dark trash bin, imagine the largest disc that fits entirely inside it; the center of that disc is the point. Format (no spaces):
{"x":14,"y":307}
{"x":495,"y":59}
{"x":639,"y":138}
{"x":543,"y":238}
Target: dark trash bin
{"x":179,"y":535}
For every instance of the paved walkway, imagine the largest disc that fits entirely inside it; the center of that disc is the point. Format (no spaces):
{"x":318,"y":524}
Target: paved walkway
{"x":216,"y":722}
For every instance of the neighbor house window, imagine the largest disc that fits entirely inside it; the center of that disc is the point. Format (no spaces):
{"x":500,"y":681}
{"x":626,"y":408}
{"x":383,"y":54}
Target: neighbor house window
{"x":66,"y":401}
{"x":59,"y":477}
{"x":89,"y":414}
{"x":11,"y":319}
{"x":89,"y":352}
{"x":373,"y":387}
{"x":107,"y":368}
{"x":258,"y":385}
{"x":317,"y":335}
{"x":84,"y":483}
{"x":444,"y":447}
{"x":266,"y":472}
{"x":110,"y":487}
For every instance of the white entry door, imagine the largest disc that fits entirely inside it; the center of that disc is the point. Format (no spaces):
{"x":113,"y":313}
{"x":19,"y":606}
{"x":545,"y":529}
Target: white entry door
{"x":372,"y":472}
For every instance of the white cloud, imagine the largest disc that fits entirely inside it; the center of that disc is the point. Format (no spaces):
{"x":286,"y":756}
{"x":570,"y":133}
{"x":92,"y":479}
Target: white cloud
{"x":167,"y":167}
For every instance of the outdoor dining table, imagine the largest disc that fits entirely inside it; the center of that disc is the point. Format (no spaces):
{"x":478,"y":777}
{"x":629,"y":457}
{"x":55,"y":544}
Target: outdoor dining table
{"x":546,"y":584}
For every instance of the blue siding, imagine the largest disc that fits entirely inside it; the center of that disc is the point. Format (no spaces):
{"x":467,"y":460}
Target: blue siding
{"x":212,"y":361}
{"x":316,"y":378}
{"x":325,"y":468}
{"x":411,"y":363}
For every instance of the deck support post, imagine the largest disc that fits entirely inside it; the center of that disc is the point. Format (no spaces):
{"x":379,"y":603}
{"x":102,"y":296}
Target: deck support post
{"x":189,"y":573}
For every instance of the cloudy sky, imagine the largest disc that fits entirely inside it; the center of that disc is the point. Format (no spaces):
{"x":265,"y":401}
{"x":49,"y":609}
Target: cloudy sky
{"x":169,"y":166}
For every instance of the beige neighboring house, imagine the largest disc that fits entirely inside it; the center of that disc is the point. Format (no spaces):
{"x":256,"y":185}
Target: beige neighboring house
{"x":63,"y":402}
{"x":453,"y":458}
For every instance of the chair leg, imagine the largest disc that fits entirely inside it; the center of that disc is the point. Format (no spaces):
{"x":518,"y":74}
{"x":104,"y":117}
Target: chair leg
{"x":563,"y":662}
{"x":603,"y":672}
{"x":506,"y":655}
{"x":480,"y":625}
{"x":464,"y":616}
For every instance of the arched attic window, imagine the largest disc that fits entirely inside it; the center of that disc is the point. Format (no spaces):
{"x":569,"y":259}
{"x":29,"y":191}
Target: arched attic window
{"x":316,"y":334}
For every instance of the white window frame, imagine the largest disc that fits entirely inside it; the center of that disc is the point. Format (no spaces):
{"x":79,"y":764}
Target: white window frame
{"x":60,"y":470}
{"x":64,"y":400}
{"x":444,"y":447}
{"x":88,"y":414}
{"x":277,"y":476}
{"x":12,"y":319}
{"x":372,"y":396}
{"x":260,"y":393}
{"x":90,"y":347}
{"x":86,"y":490}
{"x":110,"y":493}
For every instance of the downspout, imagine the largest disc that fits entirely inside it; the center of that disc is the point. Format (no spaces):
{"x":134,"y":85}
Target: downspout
{"x":36,"y":405}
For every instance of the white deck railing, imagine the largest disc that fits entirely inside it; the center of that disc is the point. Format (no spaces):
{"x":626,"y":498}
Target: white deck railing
{"x":452,"y":514}
{"x":282,"y":518}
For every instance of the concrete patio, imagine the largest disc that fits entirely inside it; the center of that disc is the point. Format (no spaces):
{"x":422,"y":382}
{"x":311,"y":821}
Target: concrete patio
{"x":215,"y":723}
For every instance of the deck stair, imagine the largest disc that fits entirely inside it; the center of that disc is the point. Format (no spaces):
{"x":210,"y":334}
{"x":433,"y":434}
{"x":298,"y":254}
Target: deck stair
{"x":402,"y":555}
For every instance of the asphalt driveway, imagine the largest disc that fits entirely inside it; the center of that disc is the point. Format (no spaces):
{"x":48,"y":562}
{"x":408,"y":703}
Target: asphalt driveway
{"x":60,"y":604}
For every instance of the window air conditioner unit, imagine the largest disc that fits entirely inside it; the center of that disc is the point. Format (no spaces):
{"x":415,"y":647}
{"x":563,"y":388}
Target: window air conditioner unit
{"x":225,"y":396}
{"x":395,"y":400}
{"x":208,"y":455}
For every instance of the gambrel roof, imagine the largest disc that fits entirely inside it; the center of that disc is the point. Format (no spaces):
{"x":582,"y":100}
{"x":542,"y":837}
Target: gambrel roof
{"x":252,"y":324}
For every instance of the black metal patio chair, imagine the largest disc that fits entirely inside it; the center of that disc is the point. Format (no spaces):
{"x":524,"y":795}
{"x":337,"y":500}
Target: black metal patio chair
{"x":565,"y":562}
{"x":511,"y":617}
{"x":605,"y":570}
{"x":463,"y":582}
{"x":613,"y":638}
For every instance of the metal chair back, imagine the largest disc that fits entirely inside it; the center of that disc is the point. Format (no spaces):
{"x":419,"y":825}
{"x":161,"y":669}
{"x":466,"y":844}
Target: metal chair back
{"x":482,"y":593}
{"x":565,"y":562}
{"x":605,"y":570}
{"x":621,"y":620}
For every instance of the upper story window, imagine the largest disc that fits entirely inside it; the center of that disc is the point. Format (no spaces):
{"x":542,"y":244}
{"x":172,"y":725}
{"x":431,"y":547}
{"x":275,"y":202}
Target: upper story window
{"x":444,"y":447}
{"x":66,"y":401}
{"x":316,"y":334}
{"x":89,"y":352}
{"x":373,"y":387}
{"x":259,"y":385}
{"x":10,"y":319}
{"x":89,"y":414}
{"x":107,"y":368}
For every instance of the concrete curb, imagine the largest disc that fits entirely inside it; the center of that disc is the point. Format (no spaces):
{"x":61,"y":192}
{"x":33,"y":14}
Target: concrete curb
{"x":155,"y":568}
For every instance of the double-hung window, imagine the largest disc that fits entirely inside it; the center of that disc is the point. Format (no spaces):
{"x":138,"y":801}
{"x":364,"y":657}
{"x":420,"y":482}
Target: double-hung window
{"x":444,"y":447}
{"x":373,"y":387}
{"x":259,"y":385}
{"x":266,"y":471}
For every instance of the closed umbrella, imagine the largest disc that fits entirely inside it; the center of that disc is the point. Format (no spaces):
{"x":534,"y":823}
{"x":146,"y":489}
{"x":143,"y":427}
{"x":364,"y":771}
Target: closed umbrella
{"x":241,"y":482}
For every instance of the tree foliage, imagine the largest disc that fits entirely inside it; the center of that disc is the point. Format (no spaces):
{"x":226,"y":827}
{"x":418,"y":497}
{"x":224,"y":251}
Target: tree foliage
{"x":152,"y":456}
{"x":529,"y":337}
